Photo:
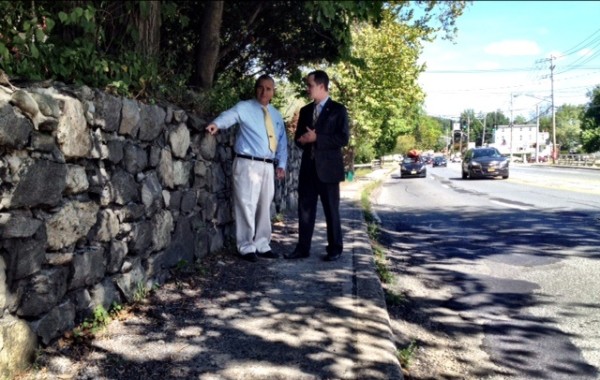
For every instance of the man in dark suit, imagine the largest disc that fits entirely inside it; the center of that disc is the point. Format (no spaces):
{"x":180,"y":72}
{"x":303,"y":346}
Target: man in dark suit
{"x":321,"y":133}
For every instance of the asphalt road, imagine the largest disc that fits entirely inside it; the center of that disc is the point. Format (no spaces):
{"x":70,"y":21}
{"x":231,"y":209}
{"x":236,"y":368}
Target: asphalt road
{"x":517,"y":261}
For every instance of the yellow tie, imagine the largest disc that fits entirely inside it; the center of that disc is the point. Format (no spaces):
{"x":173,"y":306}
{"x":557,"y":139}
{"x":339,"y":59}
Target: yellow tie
{"x":270,"y":131}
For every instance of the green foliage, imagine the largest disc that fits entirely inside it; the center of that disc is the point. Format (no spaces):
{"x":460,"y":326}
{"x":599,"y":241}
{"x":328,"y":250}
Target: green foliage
{"x":228,"y":90}
{"x":568,"y":126}
{"x":366,"y":201}
{"x":282,"y":36}
{"x":92,"y":44}
{"x":405,"y":143}
{"x":427,"y":133}
{"x":103,"y":44}
{"x":406,"y":354}
{"x":379,"y":86}
{"x":381,"y":265}
{"x":140,"y":292}
{"x":361,"y":172}
{"x":278,"y":218}
{"x":393,"y":298}
{"x":520,"y":120}
{"x":590,"y":123}
{"x":181,"y":265}
{"x":569,"y":120}
{"x":373,"y":231}
{"x":91,"y":326}
{"x":200,"y":269}
{"x":116,"y":308}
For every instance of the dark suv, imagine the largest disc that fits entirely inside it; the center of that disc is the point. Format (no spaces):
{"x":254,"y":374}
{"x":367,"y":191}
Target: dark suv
{"x":484,"y":162}
{"x":439,"y":161}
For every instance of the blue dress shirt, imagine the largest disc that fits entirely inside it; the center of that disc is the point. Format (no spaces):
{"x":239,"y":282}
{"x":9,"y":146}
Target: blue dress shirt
{"x":252,"y":136}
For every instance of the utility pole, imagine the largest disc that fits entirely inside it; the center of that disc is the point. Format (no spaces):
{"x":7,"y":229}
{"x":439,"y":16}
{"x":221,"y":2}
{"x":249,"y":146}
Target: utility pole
{"x":537,"y":132}
{"x":554,"y":150}
{"x":460,"y":132}
{"x":468,"y":129}
{"x":483,"y":134}
{"x":511,"y":126}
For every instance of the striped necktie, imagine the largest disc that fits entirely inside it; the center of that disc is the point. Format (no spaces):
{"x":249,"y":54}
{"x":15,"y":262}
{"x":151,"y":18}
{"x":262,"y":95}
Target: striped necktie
{"x":316,"y":112}
{"x":270,"y":130}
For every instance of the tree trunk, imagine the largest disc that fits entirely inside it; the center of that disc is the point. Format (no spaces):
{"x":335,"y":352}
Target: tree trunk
{"x":148,"y":24}
{"x":207,"y":52}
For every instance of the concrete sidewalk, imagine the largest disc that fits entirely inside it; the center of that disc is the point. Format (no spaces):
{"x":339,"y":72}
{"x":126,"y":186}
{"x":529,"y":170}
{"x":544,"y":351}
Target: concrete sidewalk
{"x":330,"y":318}
{"x":320,"y":320}
{"x":273,"y":319}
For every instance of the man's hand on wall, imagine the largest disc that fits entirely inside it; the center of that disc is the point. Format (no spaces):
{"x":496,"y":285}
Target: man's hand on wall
{"x":212,"y":129}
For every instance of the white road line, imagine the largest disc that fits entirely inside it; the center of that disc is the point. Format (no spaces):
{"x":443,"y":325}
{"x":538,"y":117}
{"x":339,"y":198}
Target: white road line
{"x":511,"y":205}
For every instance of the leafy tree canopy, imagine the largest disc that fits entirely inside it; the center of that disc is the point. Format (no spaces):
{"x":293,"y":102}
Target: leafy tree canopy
{"x":145,"y":47}
{"x":590,"y":123}
{"x":379,"y":83}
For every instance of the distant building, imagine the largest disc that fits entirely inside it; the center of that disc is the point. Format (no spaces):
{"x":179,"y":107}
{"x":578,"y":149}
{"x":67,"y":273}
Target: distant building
{"x":522,"y":139}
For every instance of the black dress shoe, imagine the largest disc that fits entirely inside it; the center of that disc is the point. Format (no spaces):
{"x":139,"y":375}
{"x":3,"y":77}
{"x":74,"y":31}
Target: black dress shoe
{"x":268,"y":255}
{"x":249,"y":257}
{"x":297,"y":254}
{"x":332,"y":256}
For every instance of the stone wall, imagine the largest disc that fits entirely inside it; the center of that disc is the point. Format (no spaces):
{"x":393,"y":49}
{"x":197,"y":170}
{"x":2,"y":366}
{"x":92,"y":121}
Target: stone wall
{"x":100,"y":196}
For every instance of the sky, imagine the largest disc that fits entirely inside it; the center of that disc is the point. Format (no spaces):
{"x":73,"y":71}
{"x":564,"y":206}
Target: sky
{"x":501,"y":58}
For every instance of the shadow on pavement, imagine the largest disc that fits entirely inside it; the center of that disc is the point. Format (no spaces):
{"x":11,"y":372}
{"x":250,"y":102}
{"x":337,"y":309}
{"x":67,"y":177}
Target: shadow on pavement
{"x":435,"y":247}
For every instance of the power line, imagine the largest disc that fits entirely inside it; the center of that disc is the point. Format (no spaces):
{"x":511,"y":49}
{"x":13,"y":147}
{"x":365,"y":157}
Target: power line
{"x":486,"y":71}
{"x":578,"y":47}
{"x":586,"y":59}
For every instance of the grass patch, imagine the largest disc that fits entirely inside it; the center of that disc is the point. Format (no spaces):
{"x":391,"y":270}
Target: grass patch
{"x":362,"y":172}
{"x":140,"y":293}
{"x":383,"y":271}
{"x":95,"y":323}
{"x":406,"y":354}
{"x":278,"y":218}
{"x":365,"y":202}
{"x":393,"y":298}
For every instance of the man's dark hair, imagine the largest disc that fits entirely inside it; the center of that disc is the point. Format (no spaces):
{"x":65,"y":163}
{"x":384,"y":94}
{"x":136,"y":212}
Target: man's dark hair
{"x":320,"y":77}
{"x":263,"y":77}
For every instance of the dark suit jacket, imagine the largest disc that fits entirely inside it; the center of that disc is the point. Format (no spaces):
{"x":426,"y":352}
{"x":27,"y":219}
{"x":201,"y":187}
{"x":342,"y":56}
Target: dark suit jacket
{"x":332,"y":135}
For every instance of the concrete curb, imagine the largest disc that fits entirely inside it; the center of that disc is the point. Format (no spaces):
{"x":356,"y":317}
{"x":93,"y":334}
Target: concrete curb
{"x":374,"y":337}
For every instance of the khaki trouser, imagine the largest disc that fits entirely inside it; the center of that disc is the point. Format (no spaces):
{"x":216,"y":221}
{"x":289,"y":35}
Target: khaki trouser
{"x":253,"y":191}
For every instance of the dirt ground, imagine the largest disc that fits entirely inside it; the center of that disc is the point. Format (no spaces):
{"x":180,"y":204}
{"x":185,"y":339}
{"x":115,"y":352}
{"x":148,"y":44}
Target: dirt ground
{"x":86,"y":356}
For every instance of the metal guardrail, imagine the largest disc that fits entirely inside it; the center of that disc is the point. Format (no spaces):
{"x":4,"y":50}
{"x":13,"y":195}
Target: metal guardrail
{"x":375,"y":164}
{"x":578,"y":160}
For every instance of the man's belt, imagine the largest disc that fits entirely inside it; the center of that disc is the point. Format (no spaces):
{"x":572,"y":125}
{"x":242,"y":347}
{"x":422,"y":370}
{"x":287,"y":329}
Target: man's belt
{"x":267,"y":160}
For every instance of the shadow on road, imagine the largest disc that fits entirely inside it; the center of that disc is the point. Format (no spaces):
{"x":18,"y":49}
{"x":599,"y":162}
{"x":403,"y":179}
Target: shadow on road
{"x":438,"y":247}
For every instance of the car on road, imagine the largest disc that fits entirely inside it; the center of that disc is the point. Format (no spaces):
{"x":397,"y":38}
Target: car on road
{"x":413,"y":167}
{"x":531,"y":159}
{"x":484,"y":162}
{"x":439,"y":161}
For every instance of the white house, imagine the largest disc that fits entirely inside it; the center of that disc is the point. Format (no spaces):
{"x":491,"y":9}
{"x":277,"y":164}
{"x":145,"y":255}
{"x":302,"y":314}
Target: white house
{"x":522,"y":139}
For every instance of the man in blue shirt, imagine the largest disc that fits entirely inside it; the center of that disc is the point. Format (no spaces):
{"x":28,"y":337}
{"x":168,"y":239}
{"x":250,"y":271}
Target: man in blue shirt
{"x":260,"y":142}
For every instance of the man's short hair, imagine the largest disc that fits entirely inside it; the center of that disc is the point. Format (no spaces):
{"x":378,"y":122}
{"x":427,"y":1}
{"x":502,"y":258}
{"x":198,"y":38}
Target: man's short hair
{"x":320,"y":77}
{"x":263,"y":77}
